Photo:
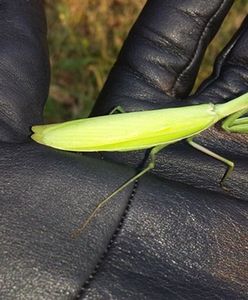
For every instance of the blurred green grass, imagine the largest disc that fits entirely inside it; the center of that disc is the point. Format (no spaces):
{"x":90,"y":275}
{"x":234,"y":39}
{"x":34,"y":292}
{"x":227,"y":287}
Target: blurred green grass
{"x":85,"y":37}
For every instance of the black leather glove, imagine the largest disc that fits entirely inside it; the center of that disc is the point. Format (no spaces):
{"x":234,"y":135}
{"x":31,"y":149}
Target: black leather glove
{"x":176,"y":235}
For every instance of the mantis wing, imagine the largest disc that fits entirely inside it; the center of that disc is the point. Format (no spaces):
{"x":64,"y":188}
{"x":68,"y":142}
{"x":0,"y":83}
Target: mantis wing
{"x":127,"y":131}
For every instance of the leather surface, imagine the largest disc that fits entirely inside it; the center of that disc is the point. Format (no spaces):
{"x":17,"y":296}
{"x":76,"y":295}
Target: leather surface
{"x":177,"y":235}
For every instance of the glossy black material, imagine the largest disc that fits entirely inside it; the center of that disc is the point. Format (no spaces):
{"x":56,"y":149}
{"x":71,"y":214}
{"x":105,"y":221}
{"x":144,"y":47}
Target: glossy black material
{"x":179,"y":236}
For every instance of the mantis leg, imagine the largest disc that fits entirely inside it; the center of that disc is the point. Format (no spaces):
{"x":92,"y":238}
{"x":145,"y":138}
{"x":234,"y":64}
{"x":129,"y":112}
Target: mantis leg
{"x":151,"y":164}
{"x":229,"y":163}
{"x":234,"y":123}
{"x":117,"y":109}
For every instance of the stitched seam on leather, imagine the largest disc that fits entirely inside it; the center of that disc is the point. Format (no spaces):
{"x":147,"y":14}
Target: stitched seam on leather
{"x":191,"y":61}
{"x":86,"y":284}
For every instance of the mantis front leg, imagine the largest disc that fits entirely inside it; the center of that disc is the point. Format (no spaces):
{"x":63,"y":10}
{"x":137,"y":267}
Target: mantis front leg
{"x":234,"y":123}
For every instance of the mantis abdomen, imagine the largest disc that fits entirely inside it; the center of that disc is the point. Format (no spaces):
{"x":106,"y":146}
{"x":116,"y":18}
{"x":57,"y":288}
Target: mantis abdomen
{"x":128,"y":131}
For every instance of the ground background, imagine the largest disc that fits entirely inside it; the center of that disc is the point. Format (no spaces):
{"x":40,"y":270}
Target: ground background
{"x":85,"y":37}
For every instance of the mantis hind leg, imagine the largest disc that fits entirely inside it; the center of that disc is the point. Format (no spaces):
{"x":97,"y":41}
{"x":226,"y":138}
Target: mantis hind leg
{"x":229,"y":163}
{"x":234,"y":123}
{"x":151,"y":165}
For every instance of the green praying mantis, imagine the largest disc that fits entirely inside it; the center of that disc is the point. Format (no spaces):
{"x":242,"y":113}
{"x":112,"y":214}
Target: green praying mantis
{"x":155,"y":129}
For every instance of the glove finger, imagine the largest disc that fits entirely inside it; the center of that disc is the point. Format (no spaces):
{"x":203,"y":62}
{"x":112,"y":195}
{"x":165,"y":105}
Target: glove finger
{"x":229,"y":79}
{"x":24,"y":67}
{"x":182,"y":163}
{"x":230,"y":74}
{"x":161,"y":56}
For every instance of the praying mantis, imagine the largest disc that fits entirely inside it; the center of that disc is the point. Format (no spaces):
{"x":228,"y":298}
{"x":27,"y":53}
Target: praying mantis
{"x":155,"y":129}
